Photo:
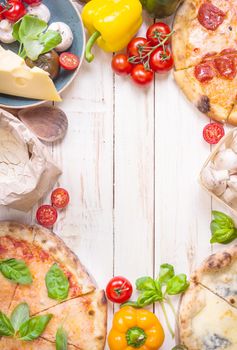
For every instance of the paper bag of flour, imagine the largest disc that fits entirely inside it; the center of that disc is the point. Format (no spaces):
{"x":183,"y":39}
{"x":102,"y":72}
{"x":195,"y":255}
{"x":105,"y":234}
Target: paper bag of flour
{"x":27,"y":170}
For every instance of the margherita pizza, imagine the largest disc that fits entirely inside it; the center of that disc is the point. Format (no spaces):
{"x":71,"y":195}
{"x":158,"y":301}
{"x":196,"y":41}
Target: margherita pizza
{"x":205,"y":55}
{"x":40,"y":274}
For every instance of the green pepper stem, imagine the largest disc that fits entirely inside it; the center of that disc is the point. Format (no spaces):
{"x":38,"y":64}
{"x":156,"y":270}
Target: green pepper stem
{"x":136,"y":337}
{"x":90,"y":43}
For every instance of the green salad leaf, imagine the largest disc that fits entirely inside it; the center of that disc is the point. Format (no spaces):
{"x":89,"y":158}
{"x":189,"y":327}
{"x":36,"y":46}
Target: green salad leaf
{"x":61,"y":339}
{"x":57,"y":283}
{"x":20,"y":315}
{"x":222,"y":228}
{"x":6,"y":328}
{"x":34,"y":327}
{"x":16,"y":271}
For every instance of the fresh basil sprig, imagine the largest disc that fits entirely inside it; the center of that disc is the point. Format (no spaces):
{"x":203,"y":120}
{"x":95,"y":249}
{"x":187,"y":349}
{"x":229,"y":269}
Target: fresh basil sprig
{"x":222,"y":228}
{"x":179,"y":347}
{"x":20,"y":315}
{"x":57,"y":283}
{"x":34,"y":327}
{"x":6,"y":328}
{"x":61,"y":339}
{"x":16,"y":271}
{"x":158,"y":290}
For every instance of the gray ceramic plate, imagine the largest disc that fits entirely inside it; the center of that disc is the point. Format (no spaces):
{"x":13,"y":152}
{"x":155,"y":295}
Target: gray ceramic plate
{"x":65,"y":11}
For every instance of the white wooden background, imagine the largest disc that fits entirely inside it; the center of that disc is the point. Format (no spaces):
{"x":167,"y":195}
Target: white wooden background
{"x":130,"y":161}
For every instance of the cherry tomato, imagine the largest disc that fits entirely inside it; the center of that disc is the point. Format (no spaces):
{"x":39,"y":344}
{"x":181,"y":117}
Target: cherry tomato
{"x":161,"y":61}
{"x":33,"y":2}
{"x":121,"y":65}
{"x":119,"y":290}
{"x":15,"y":11}
{"x":213,"y":132}
{"x":69,"y":61}
{"x":60,"y":198}
{"x":137,"y":46}
{"x":157,"y":32}
{"x":1,"y":12}
{"x":46,"y":215}
{"x":141,"y":75}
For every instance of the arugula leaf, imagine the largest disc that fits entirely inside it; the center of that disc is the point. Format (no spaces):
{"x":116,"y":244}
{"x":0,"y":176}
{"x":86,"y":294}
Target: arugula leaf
{"x":34,"y":327}
{"x":50,"y":40}
{"x":16,"y":270}
{"x":32,"y":47}
{"x":30,"y":26}
{"x":166,"y":273}
{"x":6,"y":328}
{"x":57,"y":283}
{"x":177,"y":284}
{"x":20,"y":315}
{"x":222,"y":228}
{"x":61,"y":339}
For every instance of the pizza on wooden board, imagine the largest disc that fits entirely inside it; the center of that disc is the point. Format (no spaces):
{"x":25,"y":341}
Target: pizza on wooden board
{"x":205,"y":55}
{"x":39,"y":272}
{"x":208,"y":312}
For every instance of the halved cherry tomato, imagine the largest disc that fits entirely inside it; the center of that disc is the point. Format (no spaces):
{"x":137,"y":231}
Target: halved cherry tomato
{"x":15,"y":11}
{"x":137,"y":46}
{"x":33,"y":2}
{"x":213,"y":132}
{"x":161,"y":60}
{"x":141,"y":75}
{"x":46,"y":215}
{"x":119,"y":290}
{"x":60,"y":198}
{"x":69,"y":61}
{"x":121,"y":65}
{"x":157,"y":32}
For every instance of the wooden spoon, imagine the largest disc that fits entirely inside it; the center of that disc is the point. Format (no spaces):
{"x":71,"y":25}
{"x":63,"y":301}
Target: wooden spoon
{"x":48,"y":123}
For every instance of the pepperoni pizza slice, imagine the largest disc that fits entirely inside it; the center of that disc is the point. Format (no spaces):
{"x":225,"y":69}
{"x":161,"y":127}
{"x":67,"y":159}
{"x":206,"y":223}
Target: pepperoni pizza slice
{"x":212,"y":84}
{"x":201,"y":27}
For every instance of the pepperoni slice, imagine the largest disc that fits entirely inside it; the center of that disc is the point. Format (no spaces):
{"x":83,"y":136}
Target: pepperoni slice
{"x":204,"y":72}
{"x":226,"y":66}
{"x":229,"y":51}
{"x":210,"y":16}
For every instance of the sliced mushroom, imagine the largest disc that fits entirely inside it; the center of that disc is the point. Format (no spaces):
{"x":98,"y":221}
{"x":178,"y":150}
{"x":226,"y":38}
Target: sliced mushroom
{"x":41,"y":11}
{"x":66,"y":34}
{"x":215,"y":180}
{"x":232,"y":183}
{"x":6,"y":28}
{"x":226,"y":160}
{"x":234,"y":142}
{"x":47,"y":123}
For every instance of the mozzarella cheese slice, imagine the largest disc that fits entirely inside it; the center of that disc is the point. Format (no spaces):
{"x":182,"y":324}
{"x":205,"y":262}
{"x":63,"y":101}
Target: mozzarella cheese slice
{"x":17,"y":79}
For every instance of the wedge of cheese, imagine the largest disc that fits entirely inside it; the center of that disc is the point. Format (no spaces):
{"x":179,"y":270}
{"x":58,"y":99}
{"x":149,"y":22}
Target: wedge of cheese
{"x":17,"y":79}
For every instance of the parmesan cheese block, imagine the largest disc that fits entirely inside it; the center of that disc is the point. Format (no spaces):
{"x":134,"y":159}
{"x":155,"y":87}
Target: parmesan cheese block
{"x":17,"y":79}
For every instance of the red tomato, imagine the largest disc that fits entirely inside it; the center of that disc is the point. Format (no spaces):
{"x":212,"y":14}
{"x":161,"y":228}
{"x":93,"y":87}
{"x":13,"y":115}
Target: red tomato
{"x":157,"y":32}
{"x":69,"y":61}
{"x":137,"y":46}
{"x":119,"y":290}
{"x":1,"y":12}
{"x":121,"y":65}
{"x":213,"y":132}
{"x":60,"y":198}
{"x":161,"y":61}
{"x":46,"y":215}
{"x":15,"y":11}
{"x":33,"y":2}
{"x":141,"y":75}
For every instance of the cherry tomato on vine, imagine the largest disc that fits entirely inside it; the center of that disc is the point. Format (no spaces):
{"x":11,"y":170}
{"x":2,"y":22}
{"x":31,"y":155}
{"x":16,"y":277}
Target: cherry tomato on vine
{"x":213,"y":132}
{"x":157,"y":32}
{"x":1,"y":12}
{"x":69,"y":61}
{"x":60,"y":198}
{"x":141,"y":75}
{"x":119,"y":290}
{"x":161,"y":61}
{"x":15,"y":10}
{"x":121,"y":65}
{"x":33,"y":2}
{"x":137,"y":46}
{"x":46,"y":215}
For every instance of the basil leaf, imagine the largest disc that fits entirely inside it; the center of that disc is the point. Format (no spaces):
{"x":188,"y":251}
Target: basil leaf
{"x":222,"y":228}
{"x":223,"y":219}
{"x":34,"y":327}
{"x":130,"y":303}
{"x":20,"y":315}
{"x":148,"y":297}
{"x":145,"y":283}
{"x":30,"y":26}
{"x":166,"y":273}
{"x":6,"y":328}
{"x":57,"y":283}
{"x":179,"y":347}
{"x":61,"y":339}
{"x":177,"y":284}
{"x":223,"y":236}
{"x":16,"y":270}
{"x":50,"y":40}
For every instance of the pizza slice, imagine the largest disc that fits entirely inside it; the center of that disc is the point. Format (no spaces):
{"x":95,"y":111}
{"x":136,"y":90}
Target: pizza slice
{"x":202,"y":27}
{"x":14,"y":240}
{"x":48,"y":249}
{"x":84,"y":319}
{"x":219,"y":274}
{"x":38,"y":344}
{"x":207,"y":321}
{"x":232,"y":118}
{"x":212,"y":84}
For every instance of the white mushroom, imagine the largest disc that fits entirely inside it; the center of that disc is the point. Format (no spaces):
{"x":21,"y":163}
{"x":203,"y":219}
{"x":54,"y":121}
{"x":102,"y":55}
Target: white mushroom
{"x":41,"y":11}
{"x":226,"y":160}
{"x":66,"y":34}
{"x":6,"y":28}
{"x":215,"y":180}
{"x":229,"y":195}
{"x":232,"y":183}
{"x":234,"y":142}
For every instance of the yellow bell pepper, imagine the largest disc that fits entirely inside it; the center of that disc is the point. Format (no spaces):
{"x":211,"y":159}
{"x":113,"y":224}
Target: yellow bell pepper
{"x":135,"y":329}
{"x":111,"y":23}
